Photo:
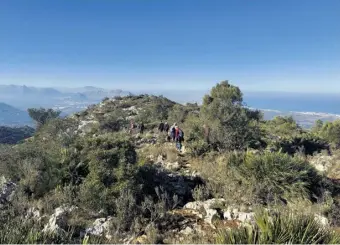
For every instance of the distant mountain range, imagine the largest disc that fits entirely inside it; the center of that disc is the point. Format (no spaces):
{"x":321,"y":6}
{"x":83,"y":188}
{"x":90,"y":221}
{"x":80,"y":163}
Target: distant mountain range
{"x":24,"y":97}
{"x":15,"y":100}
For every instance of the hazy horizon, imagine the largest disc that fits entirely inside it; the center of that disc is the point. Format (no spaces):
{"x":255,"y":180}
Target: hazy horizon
{"x":160,"y":90}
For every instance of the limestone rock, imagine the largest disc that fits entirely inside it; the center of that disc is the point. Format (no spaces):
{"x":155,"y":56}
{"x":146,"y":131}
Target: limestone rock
{"x":235,"y":214}
{"x":198,"y":205}
{"x":321,"y":220}
{"x":100,"y":227}
{"x":33,"y":213}
{"x":160,"y":159}
{"x":207,"y":209}
{"x":187,"y":231}
{"x":141,"y":240}
{"x":211,"y":216}
{"x":57,"y":223}
{"x":175,"y":166}
{"x":7,"y":189}
{"x":322,"y":163}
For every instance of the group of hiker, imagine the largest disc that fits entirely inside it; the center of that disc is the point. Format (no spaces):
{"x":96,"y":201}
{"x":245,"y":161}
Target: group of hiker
{"x":173,"y":133}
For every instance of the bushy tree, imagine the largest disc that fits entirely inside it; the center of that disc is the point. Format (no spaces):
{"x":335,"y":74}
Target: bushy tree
{"x":41,"y":115}
{"x":232,"y":125}
{"x":283,"y":126}
{"x":317,"y":126}
{"x":330,"y":131}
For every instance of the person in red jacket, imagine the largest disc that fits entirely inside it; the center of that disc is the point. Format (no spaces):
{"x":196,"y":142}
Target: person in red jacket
{"x":179,"y":137}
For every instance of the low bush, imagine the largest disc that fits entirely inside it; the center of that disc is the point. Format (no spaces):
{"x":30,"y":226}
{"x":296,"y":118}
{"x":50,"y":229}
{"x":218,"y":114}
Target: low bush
{"x":280,"y":228}
{"x":261,"y":178}
{"x":306,"y":144}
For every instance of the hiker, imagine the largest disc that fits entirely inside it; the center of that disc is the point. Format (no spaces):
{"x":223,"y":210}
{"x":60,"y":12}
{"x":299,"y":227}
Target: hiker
{"x":142,"y":127}
{"x":161,"y":127}
{"x":166,"y":127}
{"x":179,"y":138}
{"x":173,"y":132}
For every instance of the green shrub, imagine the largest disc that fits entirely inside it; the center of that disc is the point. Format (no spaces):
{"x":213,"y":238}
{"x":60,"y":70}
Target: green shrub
{"x":308,"y":144}
{"x":37,"y":170}
{"x":198,"y":148}
{"x":280,"y":228}
{"x":16,"y":229}
{"x":59,"y":131}
{"x":114,"y":121}
{"x":200,"y":193}
{"x":111,"y":162}
{"x":282,"y":126}
{"x":330,"y":131}
{"x":38,"y":176}
{"x":263,"y":178}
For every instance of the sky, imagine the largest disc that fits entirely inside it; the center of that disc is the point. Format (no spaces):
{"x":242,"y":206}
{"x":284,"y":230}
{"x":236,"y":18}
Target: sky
{"x":260,"y":45}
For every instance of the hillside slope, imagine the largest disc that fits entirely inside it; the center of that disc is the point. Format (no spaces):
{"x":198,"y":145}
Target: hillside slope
{"x":88,"y":179}
{"x":12,"y":116}
{"x":13,"y":135}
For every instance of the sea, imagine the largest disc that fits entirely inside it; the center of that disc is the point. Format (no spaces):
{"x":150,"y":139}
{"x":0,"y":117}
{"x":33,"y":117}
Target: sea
{"x":297,"y":102}
{"x":280,"y":101}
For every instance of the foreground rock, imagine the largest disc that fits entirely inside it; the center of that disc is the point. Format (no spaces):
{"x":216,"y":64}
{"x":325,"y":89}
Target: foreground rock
{"x":322,"y":163}
{"x":322,"y":220}
{"x":7,"y":189}
{"x":216,"y":209}
{"x":58,"y":222}
{"x":100,"y":227}
{"x":33,"y":213}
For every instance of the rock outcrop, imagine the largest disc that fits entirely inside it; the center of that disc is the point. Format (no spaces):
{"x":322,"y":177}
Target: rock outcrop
{"x":100,"y":227}
{"x":58,"y":222}
{"x":321,"y":220}
{"x":215,"y":209}
{"x":208,"y":209}
{"x":322,"y":163}
{"x":33,"y":213}
{"x":7,"y":189}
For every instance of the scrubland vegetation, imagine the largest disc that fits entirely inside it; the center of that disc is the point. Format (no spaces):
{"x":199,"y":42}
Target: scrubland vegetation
{"x":112,"y":186}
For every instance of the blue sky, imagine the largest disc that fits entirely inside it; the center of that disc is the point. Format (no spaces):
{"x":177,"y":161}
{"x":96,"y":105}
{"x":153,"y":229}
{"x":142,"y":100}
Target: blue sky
{"x":166,"y":44}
